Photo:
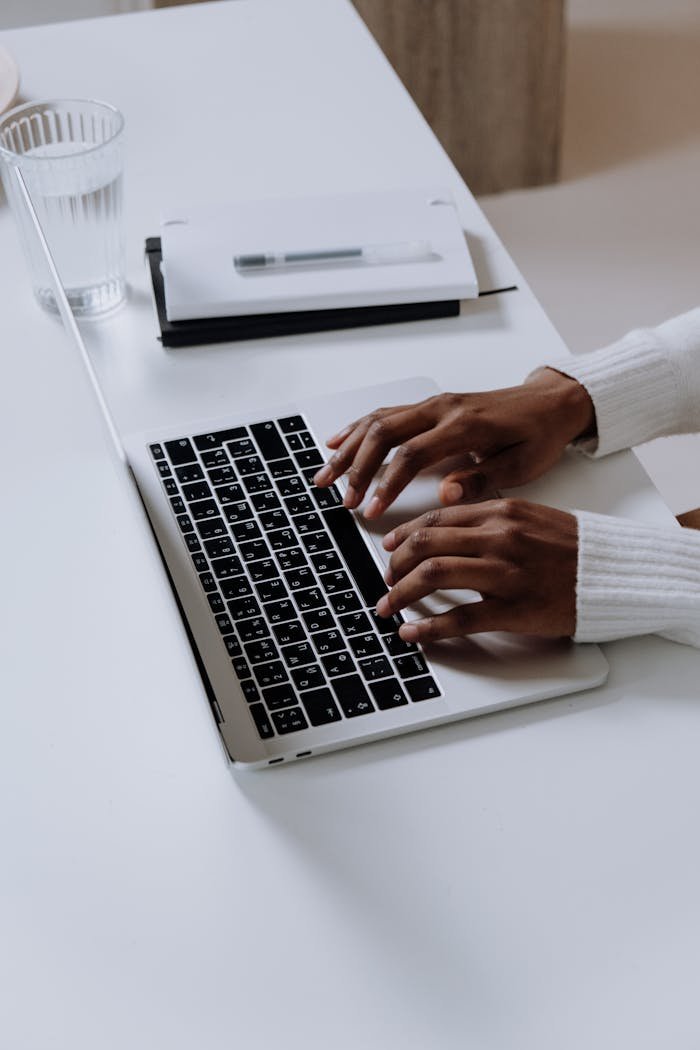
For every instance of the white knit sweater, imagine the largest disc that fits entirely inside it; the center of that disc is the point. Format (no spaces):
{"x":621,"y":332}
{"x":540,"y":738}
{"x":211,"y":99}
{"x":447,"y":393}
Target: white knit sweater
{"x":632,"y":578}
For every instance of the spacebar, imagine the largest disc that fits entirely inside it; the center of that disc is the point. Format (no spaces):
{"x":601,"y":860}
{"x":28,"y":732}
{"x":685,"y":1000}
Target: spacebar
{"x":354,"y":549}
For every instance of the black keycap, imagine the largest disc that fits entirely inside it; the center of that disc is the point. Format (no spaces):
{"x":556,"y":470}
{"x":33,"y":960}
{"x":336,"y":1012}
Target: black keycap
{"x":309,"y":473}
{"x":200,"y":563}
{"x":282,"y":468}
{"x":214,"y":458}
{"x":299,"y":504}
{"x":326,"y":561}
{"x":410,"y":666}
{"x":298,"y":655}
{"x":236,"y":587}
{"x":289,"y":721}
{"x":205,"y":508}
{"x":326,"y":498}
{"x":262,"y":570}
{"x":216,"y":439}
{"x":257,"y":482}
{"x":250,"y":465}
{"x":192,"y":541}
{"x":291,"y":423}
{"x":180,"y":451}
{"x":220,"y":548}
{"x":387,"y":694}
{"x":229,"y":494}
{"x":397,"y":646}
{"x":250,"y":690}
{"x":250,"y":630}
{"x":207,"y":581}
{"x":190,"y":472}
{"x":265,"y":501}
{"x":375,"y":667}
{"x":345,"y":601}
{"x":291,"y":558}
{"x":253,"y":549}
{"x":233,"y":646}
{"x":355,"y":623}
{"x":216,"y":602}
{"x":185,"y":523}
{"x":328,"y":642}
{"x":245,"y":530}
{"x":170,"y":486}
{"x":352,"y":696}
{"x":320,"y":707}
{"x":317,"y":541}
{"x":279,"y":696}
{"x":295,"y":443}
{"x":271,"y":590}
{"x":357,"y":556}
{"x":269,"y":441}
{"x":222,"y":475}
{"x":422,"y":689}
{"x":223,"y":568}
{"x":223,"y":622}
{"x":243,"y":608}
{"x":387,"y":624}
{"x":240,"y":668}
{"x":310,"y":677}
{"x":274,"y":519}
{"x":243,"y":447}
{"x":272,"y":673}
{"x":311,"y":598}
{"x":308,"y":523}
{"x":157,"y":451}
{"x":262,"y":721}
{"x":163,"y":469}
{"x":291,"y":486}
{"x":297,"y":579}
{"x":309,"y":458}
{"x":366,"y":645}
{"x":196,"y":490}
{"x":280,"y":612}
{"x":289,"y":633}
{"x":337,"y":663}
{"x":335,"y":581}
{"x":262,"y":651}
{"x":319,"y":620}
{"x":282,"y":538}
{"x":178,"y":506}
{"x":236,"y":512}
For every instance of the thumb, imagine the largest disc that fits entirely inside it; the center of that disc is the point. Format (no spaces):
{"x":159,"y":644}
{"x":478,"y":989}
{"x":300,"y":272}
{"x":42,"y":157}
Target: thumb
{"x":478,"y":480}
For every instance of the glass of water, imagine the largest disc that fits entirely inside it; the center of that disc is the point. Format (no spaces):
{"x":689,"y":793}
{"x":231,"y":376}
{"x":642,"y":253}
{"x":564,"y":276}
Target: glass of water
{"x":71,"y":155}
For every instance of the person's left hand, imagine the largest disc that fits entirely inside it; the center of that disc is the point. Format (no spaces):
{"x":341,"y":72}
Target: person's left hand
{"x":521,"y":557}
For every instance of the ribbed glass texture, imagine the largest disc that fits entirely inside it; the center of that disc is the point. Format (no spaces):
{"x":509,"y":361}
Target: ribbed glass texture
{"x":70,"y":152}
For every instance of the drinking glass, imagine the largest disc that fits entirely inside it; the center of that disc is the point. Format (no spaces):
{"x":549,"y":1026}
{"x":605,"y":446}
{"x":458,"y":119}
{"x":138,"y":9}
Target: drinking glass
{"x":71,"y":154}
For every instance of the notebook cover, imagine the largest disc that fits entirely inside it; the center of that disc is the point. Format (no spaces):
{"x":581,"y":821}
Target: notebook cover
{"x":264,"y":326}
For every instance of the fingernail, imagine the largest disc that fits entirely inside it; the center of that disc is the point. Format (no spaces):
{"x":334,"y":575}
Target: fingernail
{"x":383,"y":607}
{"x":389,"y":541}
{"x":323,"y":476}
{"x":352,"y":498}
{"x":340,"y":436}
{"x":453,"y":492}
{"x":388,"y":578}
{"x":409,"y":632}
{"x":374,"y":508}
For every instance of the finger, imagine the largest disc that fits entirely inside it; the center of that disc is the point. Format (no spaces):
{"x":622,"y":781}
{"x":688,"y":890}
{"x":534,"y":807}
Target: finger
{"x":411,"y":457}
{"x":501,"y":470}
{"x":340,"y":462}
{"x":435,"y":574}
{"x":433,"y":543}
{"x":339,"y":438}
{"x":487,"y":615}
{"x":442,"y":517}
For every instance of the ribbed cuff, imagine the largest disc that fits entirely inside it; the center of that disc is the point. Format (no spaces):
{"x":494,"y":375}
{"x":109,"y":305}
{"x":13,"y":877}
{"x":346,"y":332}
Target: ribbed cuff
{"x":681,"y":339}
{"x":636,"y":579}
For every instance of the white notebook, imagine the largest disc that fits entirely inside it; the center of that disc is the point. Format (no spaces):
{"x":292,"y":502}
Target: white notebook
{"x":416,"y":251}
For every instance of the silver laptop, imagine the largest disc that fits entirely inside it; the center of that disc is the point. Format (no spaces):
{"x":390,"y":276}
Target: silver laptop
{"x":277,"y":584}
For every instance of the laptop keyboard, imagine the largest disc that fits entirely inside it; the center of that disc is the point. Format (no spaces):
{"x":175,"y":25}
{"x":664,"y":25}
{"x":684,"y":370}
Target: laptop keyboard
{"x":290,"y":581}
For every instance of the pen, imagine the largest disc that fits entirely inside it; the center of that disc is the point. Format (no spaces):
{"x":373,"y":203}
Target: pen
{"x":367,"y":255}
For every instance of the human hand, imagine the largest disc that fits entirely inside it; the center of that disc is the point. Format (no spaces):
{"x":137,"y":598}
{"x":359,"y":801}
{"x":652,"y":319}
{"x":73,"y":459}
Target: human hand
{"x":507,"y":437}
{"x":521,"y":557}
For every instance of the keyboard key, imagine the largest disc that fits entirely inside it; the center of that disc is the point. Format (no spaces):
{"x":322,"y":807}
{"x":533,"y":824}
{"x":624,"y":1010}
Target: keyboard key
{"x":292,"y":558}
{"x":307,"y":439}
{"x":345,"y":601}
{"x":308,"y":523}
{"x":157,"y":451}
{"x":240,"y":667}
{"x":352,"y":696}
{"x":257,"y":482}
{"x":269,"y":441}
{"x":243,"y":608}
{"x":297,"y":579}
{"x":376,"y":667}
{"x":219,"y":548}
{"x":280,"y":612}
{"x":233,"y":646}
{"x":335,"y":581}
{"x":229,"y":494}
{"x":309,"y":473}
{"x":207,"y":581}
{"x":298,"y":655}
{"x":291,"y":486}
{"x":274,"y":519}
{"x":185,"y":523}
{"x":326,"y":561}
{"x":355,"y":623}
{"x":236,"y":587}
{"x":250,"y":690}
{"x":270,"y":674}
{"x":180,"y":451}
{"x":328,"y":642}
{"x":282,"y":468}
{"x":387,"y":624}
{"x":309,"y":599}
{"x":192,"y":540}
{"x":356,"y":553}
{"x":265,"y":501}
{"x":279,"y":696}
{"x":291,"y":423}
{"x":170,"y":486}
{"x":337,"y":663}
{"x":221,"y":475}
{"x":254,"y":549}
{"x":250,"y":465}
{"x":319,"y":620}
{"x":178,"y":506}
{"x":288,"y":633}
{"x":317,"y":541}
{"x":262,"y":721}
{"x":291,"y":721}
{"x":310,"y":677}
{"x":216,"y":457}
{"x":282,"y":538}
{"x":309,"y":458}
{"x":299,"y":504}
{"x":271,"y":590}
{"x":366,"y":645}
{"x":410,"y":666}
{"x":216,"y":602}
{"x":250,"y":630}
{"x":397,"y":646}
{"x":320,"y":707}
{"x":243,"y":447}
{"x":422,"y":689}
{"x":216,"y":439}
{"x":261,"y":651}
{"x":190,"y":472}
{"x":206,"y":508}
{"x":236,"y":512}
{"x":326,"y":498}
{"x":223,"y":568}
{"x":163,"y":469}
{"x":262,"y":570}
{"x":245,"y":530}
{"x":196,"y":490}
{"x":388,"y":694}
{"x":223,"y":622}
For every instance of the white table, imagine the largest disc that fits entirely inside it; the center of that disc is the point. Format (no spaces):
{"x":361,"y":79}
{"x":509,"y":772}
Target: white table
{"x":524,"y":880}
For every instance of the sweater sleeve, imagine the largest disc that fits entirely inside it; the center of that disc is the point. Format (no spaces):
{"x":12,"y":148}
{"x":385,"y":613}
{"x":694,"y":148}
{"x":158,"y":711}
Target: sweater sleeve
{"x":644,"y":386}
{"x":635,"y":579}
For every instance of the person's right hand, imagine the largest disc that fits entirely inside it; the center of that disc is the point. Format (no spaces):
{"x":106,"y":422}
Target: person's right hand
{"x":507,"y":437}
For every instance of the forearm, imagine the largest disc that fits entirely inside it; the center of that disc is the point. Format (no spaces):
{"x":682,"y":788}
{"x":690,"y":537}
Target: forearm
{"x":636,"y":579}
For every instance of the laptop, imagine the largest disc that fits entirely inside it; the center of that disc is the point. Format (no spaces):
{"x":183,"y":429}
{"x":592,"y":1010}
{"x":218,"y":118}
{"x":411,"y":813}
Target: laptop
{"x":277,"y":584}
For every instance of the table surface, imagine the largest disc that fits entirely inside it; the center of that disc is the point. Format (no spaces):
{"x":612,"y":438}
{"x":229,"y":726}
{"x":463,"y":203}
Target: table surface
{"x":527,"y":879}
